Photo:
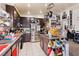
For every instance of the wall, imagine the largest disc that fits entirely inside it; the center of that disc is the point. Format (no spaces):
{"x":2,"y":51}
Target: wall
{"x":2,"y":6}
{"x":75,"y":16}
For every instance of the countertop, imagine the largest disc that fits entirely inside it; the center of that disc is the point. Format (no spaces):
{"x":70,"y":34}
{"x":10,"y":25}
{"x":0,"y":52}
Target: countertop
{"x":2,"y":52}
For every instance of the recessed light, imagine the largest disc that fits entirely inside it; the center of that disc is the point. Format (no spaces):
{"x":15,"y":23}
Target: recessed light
{"x":28,"y":5}
{"x":41,"y":12}
{"x":28,"y":12}
{"x":45,"y":5}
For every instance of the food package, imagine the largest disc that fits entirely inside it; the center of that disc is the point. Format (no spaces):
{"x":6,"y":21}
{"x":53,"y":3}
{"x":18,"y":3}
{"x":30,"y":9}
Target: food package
{"x":58,"y":52}
{"x":8,"y":37}
{"x":3,"y":34}
{"x":54,"y":32}
{"x":58,"y":44}
{"x":49,"y":51}
{"x":50,"y":44}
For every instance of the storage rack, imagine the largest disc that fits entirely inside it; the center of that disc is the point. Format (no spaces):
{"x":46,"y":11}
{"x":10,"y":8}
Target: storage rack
{"x":56,"y":45}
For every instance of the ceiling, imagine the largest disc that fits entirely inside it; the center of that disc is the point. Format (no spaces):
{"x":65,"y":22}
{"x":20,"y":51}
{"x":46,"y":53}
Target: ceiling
{"x":40,"y":8}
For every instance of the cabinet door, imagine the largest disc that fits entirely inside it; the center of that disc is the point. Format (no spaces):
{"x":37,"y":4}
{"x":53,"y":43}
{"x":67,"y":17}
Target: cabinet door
{"x":45,"y":47}
{"x":45,"y":44}
{"x":41,"y":42}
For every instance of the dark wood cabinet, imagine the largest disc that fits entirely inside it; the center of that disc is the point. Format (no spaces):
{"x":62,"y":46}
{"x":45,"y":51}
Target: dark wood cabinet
{"x":44,"y":42}
{"x":26,"y":37}
{"x":25,"y":21}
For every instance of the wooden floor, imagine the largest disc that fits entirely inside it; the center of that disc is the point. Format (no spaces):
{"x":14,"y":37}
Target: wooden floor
{"x":73,"y":48}
{"x":32,"y":49}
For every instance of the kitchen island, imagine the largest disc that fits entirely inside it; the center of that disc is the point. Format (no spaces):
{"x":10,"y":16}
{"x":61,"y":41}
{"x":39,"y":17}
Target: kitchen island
{"x":11,"y":48}
{"x":44,"y":42}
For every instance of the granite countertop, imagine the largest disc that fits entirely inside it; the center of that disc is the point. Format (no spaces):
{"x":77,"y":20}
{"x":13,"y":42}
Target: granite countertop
{"x":9,"y":44}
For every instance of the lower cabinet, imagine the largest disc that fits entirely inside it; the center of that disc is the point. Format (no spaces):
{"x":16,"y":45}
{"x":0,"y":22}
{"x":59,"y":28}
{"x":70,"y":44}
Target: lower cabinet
{"x":44,"y":43}
{"x":45,"y":48}
{"x":41,"y":42}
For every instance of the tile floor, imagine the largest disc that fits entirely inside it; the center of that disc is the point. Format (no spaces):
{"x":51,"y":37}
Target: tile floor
{"x":32,"y":49}
{"x":73,"y":48}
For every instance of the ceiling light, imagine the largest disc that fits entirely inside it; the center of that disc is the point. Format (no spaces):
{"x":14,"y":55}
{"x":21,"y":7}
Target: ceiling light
{"x":41,"y":12}
{"x":28,"y":5}
{"x":28,"y":12}
{"x":45,"y":5}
